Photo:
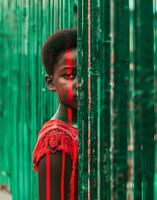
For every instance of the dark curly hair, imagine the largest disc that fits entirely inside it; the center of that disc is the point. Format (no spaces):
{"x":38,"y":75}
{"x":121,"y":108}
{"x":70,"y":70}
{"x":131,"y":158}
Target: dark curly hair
{"x":55,"y":45}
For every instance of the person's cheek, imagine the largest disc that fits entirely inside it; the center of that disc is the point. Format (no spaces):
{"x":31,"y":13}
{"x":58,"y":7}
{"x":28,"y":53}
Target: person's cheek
{"x":62,"y":95}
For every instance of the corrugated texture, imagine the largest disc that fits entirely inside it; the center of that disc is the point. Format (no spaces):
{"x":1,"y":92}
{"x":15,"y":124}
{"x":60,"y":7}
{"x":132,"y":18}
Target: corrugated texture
{"x":117,"y":49}
{"x":25,"y":104}
{"x":117,"y":94}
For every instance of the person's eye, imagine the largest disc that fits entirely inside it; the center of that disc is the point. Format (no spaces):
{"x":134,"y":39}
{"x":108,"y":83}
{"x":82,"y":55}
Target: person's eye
{"x":68,"y":76}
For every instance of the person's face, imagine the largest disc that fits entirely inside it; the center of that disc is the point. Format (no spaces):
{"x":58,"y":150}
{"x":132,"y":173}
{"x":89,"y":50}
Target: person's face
{"x":65,"y":78}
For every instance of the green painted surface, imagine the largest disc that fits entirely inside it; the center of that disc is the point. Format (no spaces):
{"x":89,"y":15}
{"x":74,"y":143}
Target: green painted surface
{"x":25,"y":103}
{"x":117,"y":94}
{"x":117,"y":50}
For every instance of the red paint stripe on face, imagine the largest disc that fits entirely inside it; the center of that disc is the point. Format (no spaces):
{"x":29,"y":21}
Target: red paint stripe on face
{"x":70,"y":89}
{"x":47,"y":176}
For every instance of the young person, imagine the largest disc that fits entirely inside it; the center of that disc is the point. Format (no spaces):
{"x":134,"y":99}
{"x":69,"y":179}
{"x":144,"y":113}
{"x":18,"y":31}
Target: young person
{"x":56,"y":151}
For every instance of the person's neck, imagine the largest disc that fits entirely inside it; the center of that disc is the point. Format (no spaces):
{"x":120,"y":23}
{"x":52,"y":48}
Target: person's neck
{"x":66,"y":114}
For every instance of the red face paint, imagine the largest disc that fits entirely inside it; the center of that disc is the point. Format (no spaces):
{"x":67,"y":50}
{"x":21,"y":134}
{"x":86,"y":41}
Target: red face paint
{"x":70,"y":95}
{"x":70,"y":89}
{"x":65,"y":79}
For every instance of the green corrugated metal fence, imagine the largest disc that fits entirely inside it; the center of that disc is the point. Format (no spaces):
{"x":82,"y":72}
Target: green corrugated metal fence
{"x":25,"y":104}
{"x":117,"y":59}
{"x":117,"y":113}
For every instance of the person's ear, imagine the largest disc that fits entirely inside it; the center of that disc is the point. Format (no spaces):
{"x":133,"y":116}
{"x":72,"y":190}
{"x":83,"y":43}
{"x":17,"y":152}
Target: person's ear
{"x":50,"y":82}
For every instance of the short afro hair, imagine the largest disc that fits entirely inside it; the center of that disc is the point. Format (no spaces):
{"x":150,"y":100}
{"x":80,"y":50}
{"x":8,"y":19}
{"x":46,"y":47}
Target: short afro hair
{"x":55,"y":45}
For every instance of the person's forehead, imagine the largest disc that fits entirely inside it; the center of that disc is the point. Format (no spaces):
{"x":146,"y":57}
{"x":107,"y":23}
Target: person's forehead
{"x":68,"y":56}
{"x":68,"y":59}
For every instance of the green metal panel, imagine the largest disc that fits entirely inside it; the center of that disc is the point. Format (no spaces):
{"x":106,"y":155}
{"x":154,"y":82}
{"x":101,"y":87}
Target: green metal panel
{"x":155,"y":84}
{"x":83,"y":98}
{"x":25,"y":104}
{"x":104,"y":95}
{"x":116,"y":120}
{"x":117,"y":78}
{"x":144,"y":101}
{"x":119,"y":98}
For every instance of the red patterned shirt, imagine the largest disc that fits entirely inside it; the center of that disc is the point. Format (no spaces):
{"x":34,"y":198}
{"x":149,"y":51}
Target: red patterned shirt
{"x":57,"y":136}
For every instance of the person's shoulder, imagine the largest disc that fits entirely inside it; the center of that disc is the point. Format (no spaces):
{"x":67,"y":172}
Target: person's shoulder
{"x":59,"y":127}
{"x":54,"y":136}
